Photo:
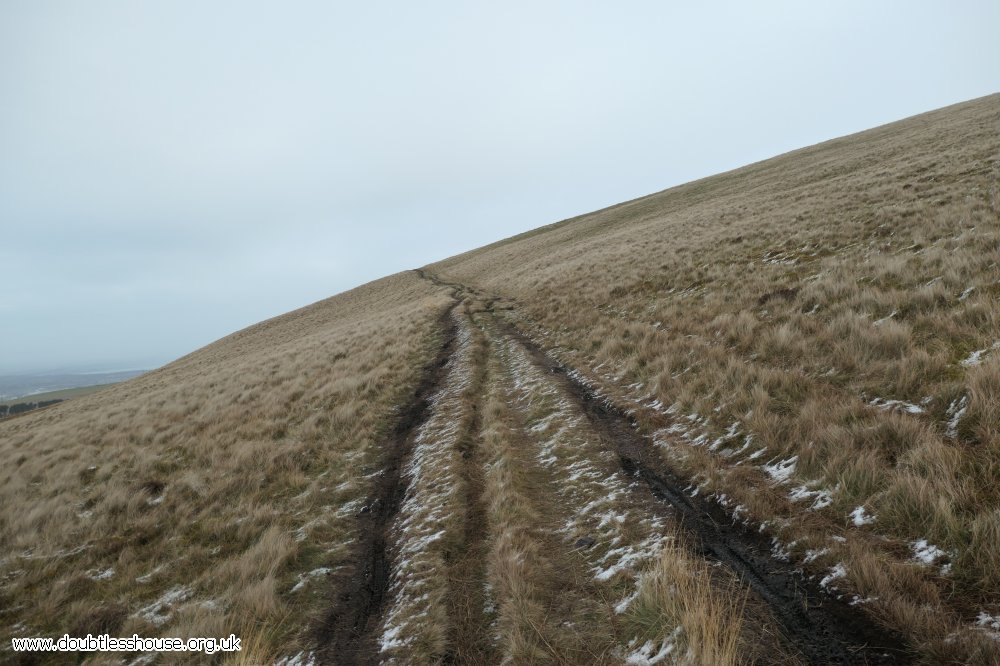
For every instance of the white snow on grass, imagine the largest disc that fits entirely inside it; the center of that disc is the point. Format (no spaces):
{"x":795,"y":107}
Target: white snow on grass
{"x":990,"y":624}
{"x":161,"y":610}
{"x":860,"y":517}
{"x":976,"y":357}
{"x":747,"y":442}
{"x":781,"y":551}
{"x":839,"y":570}
{"x":896,"y":405}
{"x":781,"y":470}
{"x":650,"y":653}
{"x":856,"y":600}
{"x":728,"y":436}
{"x":821,"y":498}
{"x":623,"y":605}
{"x":304,"y":578}
{"x":927,"y":553}
{"x":813,"y":555}
{"x":101,"y":574}
{"x":956,"y":410}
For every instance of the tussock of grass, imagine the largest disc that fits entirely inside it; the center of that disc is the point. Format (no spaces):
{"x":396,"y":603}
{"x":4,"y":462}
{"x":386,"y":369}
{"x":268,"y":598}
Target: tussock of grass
{"x":679,"y":605}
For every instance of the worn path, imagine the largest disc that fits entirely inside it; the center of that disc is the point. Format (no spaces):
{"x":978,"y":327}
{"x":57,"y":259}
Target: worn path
{"x":477,"y":525}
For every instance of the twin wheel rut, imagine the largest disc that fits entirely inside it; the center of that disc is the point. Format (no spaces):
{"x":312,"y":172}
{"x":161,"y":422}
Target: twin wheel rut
{"x":408,"y":540}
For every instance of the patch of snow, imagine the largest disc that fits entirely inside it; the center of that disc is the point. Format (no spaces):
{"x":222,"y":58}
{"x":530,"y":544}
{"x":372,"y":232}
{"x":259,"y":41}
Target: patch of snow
{"x":650,"y":654}
{"x":158,"y":612}
{"x":956,"y":410}
{"x":730,"y":434}
{"x":95,"y":574}
{"x":391,"y":638}
{"x":989,"y":622}
{"x":782,"y":470}
{"x":858,"y":600}
{"x":623,"y":605}
{"x":896,"y":405}
{"x":821,"y":498}
{"x":838,"y":571}
{"x":973,"y":359}
{"x":304,"y":578}
{"x":976,"y":357}
{"x":926,"y":553}
{"x":781,"y":551}
{"x":343,"y":511}
{"x":813,"y":555}
{"x":629,"y":558}
{"x":747,"y":441}
{"x":860,"y":517}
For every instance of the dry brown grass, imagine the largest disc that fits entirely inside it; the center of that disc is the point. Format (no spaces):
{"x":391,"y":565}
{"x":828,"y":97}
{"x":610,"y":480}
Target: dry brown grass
{"x":811,"y":337}
{"x":682,"y":610}
{"x":192,"y":500}
{"x":793,"y":301}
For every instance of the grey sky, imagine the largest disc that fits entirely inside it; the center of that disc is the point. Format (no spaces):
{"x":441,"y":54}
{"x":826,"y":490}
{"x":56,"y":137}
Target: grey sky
{"x":173,"y":171}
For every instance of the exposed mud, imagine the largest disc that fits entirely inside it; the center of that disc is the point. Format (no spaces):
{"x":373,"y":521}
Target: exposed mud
{"x":826,"y":630}
{"x":346,"y":634}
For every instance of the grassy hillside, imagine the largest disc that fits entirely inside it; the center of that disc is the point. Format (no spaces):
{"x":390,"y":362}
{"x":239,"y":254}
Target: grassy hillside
{"x":811,"y":337}
{"x":213,"y":495}
{"x":751,"y":419}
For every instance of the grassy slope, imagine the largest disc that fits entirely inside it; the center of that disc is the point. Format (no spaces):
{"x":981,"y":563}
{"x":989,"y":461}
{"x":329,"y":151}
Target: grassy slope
{"x":788,"y":302}
{"x":778,"y":306}
{"x":190,"y":501}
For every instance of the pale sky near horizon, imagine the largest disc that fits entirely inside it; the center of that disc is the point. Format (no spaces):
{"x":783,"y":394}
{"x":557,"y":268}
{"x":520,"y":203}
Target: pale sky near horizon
{"x":173,"y":171}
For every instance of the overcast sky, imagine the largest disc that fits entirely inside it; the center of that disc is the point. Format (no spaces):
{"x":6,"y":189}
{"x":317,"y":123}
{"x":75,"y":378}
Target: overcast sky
{"x":173,"y":171}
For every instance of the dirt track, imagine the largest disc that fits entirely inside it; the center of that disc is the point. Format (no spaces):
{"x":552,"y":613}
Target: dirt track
{"x":821,"y":628}
{"x":345,"y":635}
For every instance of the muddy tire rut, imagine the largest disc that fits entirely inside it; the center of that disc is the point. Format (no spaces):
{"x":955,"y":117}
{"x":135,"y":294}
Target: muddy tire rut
{"x":346,"y":633}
